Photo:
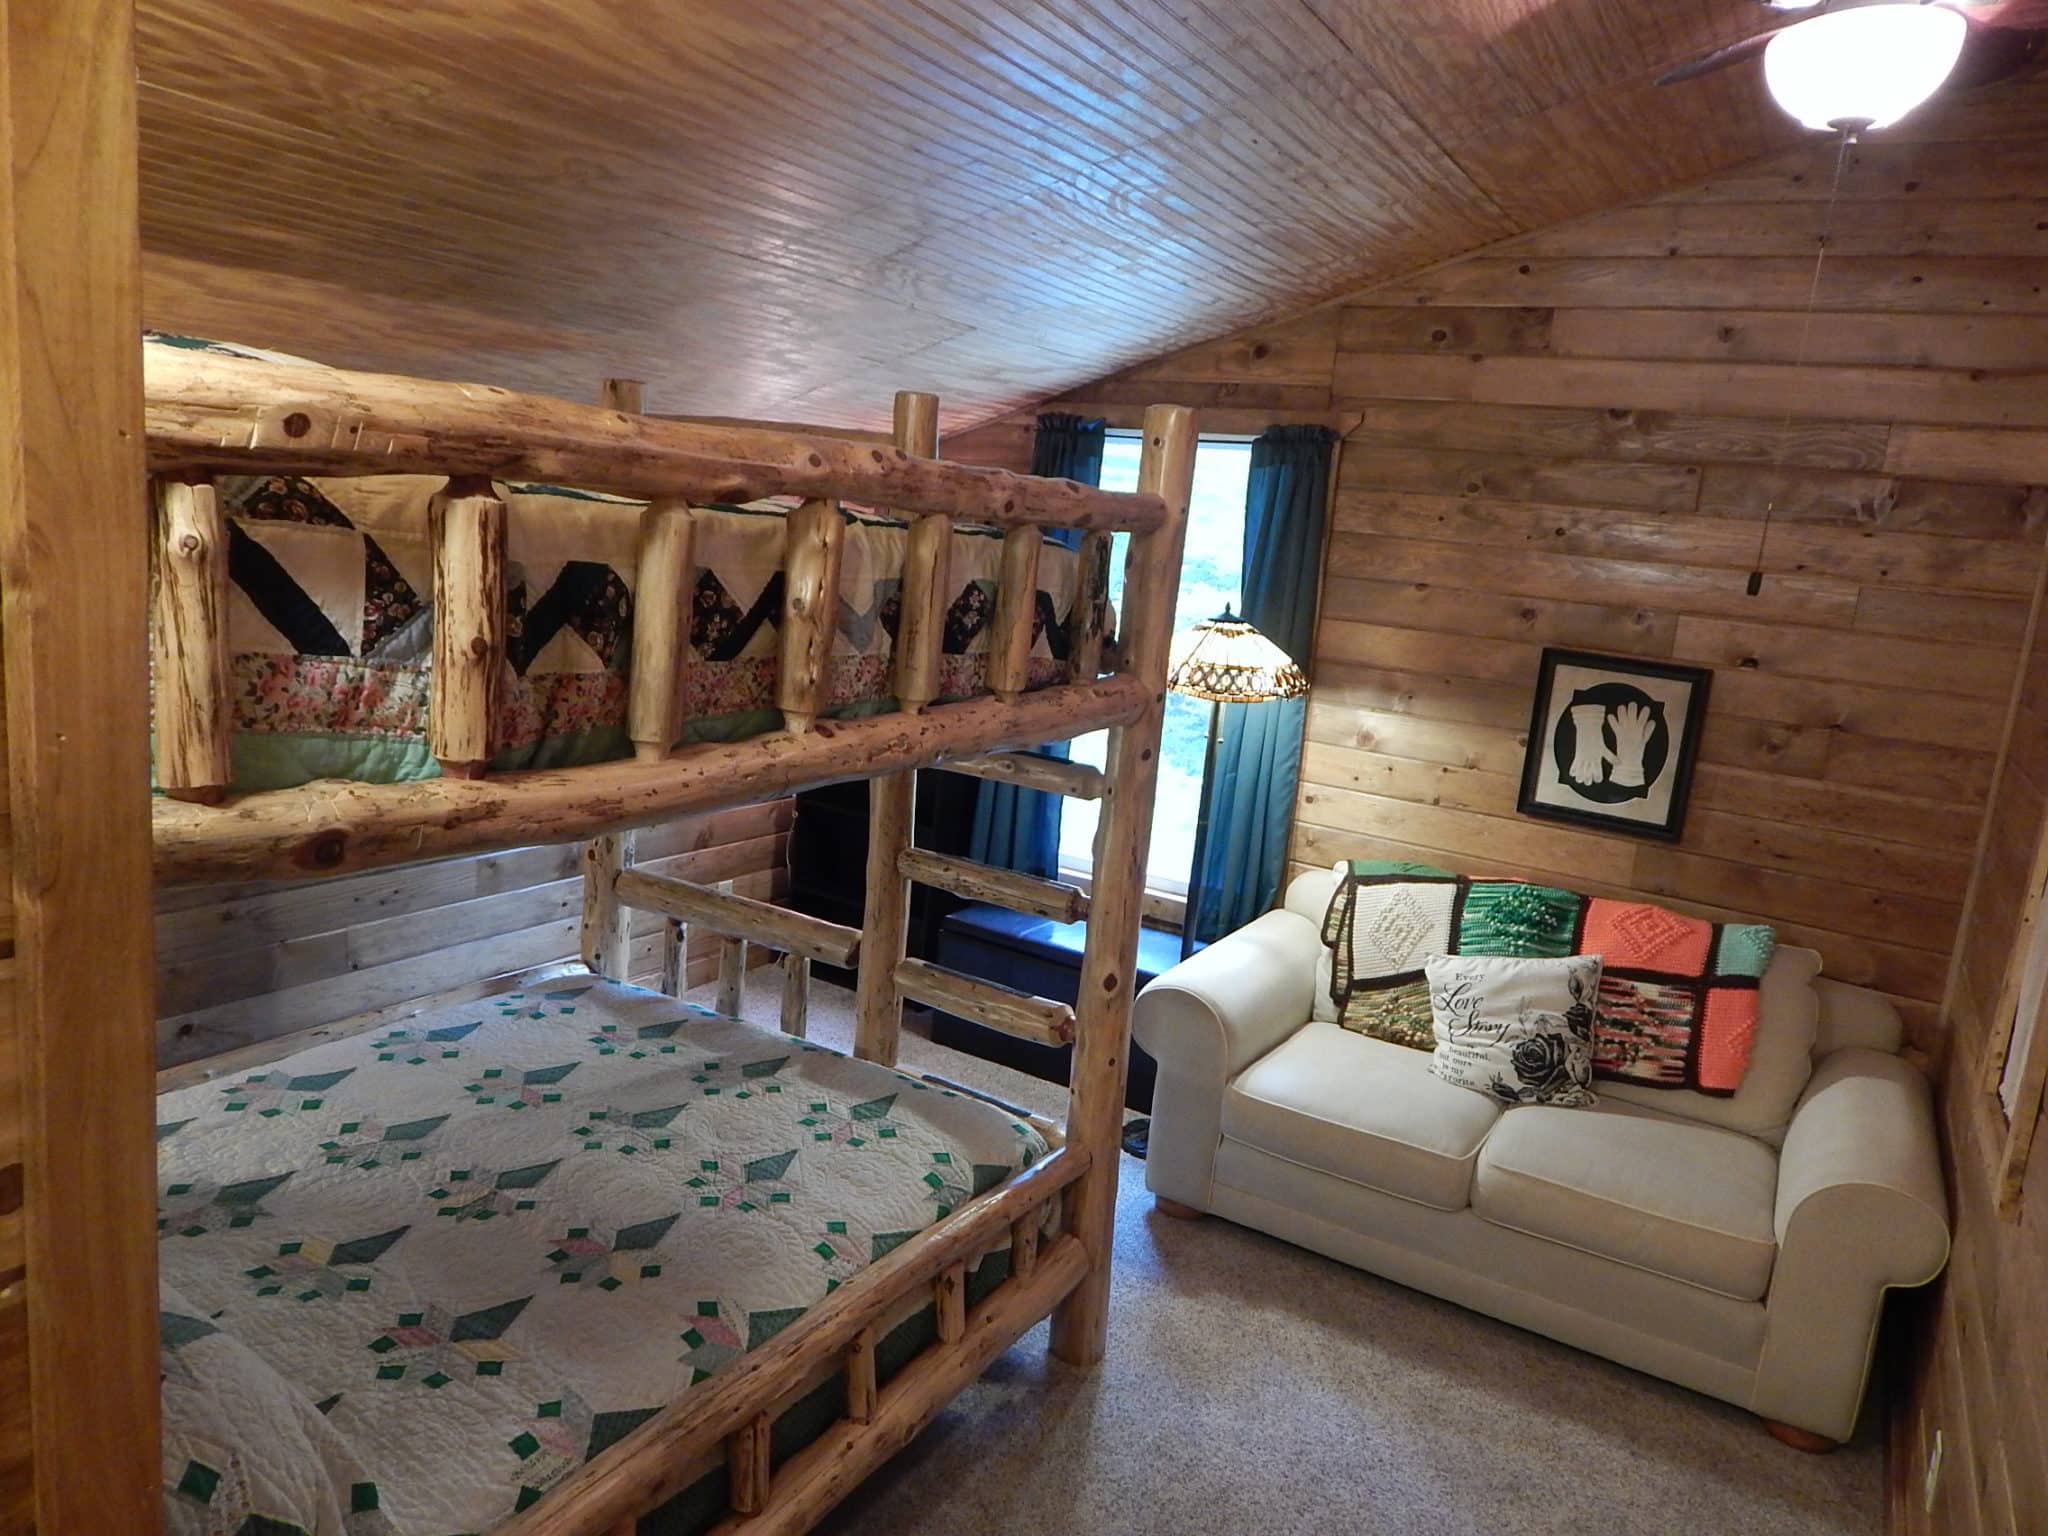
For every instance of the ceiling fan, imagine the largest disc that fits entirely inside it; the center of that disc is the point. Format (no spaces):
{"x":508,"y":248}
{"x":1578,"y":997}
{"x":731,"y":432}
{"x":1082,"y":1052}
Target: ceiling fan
{"x":1854,"y":65}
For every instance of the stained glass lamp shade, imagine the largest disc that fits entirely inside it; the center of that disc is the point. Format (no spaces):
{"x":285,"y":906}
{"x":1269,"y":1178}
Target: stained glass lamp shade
{"x":1227,"y":661}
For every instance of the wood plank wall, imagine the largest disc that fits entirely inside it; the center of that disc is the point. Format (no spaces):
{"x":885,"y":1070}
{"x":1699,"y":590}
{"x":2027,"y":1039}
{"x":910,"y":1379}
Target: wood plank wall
{"x":242,"y":964}
{"x":1570,"y":440}
{"x":1977,"y":1372}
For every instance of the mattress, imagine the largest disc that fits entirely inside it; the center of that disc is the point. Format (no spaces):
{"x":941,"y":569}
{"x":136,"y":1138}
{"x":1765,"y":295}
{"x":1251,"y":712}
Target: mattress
{"x":413,"y":1279}
{"x":330,"y":623}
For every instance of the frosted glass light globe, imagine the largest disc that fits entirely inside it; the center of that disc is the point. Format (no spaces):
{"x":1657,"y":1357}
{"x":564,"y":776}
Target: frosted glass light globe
{"x":1864,"y":68}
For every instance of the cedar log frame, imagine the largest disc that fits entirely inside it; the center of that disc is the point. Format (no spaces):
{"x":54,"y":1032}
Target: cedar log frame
{"x":208,"y":414}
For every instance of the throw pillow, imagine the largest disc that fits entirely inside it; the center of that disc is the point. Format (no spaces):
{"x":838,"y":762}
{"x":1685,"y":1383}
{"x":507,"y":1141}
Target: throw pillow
{"x":1519,"y":1030}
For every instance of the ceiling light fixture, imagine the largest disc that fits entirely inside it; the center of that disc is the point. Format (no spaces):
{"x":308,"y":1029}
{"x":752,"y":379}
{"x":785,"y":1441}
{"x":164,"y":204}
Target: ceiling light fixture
{"x":1855,"y":70}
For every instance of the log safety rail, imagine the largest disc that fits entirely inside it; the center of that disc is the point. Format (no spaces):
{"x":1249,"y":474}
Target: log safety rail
{"x":216,"y":414}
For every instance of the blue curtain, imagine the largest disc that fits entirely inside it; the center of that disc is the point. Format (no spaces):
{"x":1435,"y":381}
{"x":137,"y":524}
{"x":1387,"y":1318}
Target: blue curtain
{"x":1020,"y":828}
{"x":1248,"y":799}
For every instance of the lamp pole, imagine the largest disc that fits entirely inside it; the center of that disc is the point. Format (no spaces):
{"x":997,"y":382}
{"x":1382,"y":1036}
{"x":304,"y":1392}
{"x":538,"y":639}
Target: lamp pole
{"x":1187,"y":924}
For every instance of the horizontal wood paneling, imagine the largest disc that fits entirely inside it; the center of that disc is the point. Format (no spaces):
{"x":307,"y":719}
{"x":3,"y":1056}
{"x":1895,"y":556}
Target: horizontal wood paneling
{"x":1591,"y":440}
{"x":241,"y":965}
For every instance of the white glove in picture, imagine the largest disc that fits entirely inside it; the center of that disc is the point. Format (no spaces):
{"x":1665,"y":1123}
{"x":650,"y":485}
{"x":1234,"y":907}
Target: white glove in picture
{"x":1589,"y":762}
{"x":1632,"y":725}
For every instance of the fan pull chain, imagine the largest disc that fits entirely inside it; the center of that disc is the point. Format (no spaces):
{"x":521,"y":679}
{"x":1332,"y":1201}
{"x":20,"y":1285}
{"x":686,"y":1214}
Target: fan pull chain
{"x":1820,"y":256}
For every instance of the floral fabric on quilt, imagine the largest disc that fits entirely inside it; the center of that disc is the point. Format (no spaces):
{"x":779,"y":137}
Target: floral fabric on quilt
{"x":413,"y":1279}
{"x":1678,"y":995}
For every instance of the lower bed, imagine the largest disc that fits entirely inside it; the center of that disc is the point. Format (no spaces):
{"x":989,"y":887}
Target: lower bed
{"x":413,"y":1279}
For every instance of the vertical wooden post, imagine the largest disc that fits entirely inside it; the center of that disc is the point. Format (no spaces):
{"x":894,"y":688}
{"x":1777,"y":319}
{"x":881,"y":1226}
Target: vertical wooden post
{"x":192,"y":683}
{"x":860,"y":1378}
{"x":78,"y":1278}
{"x":675,"y":958}
{"x":661,"y":628}
{"x":1024,"y":1244}
{"x":1090,"y":616}
{"x":747,"y":1466}
{"x":949,"y":1294}
{"x":892,"y":801}
{"x":1009,"y":631}
{"x":1103,"y":1011}
{"x":928,"y":545}
{"x":468,"y":526}
{"x":810,"y":611}
{"x":732,"y":976}
{"x":605,"y":919}
{"x":796,"y":995}
{"x":620,"y":395}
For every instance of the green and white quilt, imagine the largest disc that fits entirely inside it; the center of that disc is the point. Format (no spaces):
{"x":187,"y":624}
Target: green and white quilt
{"x":413,"y":1279}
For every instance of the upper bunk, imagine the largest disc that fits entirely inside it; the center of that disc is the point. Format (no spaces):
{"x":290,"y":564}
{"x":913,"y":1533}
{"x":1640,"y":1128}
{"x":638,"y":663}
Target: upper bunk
{"x":225,"y":429}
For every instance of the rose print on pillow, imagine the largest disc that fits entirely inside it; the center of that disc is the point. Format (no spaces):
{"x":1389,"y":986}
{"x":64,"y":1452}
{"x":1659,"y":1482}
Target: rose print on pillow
{"x":1517,"y":1029}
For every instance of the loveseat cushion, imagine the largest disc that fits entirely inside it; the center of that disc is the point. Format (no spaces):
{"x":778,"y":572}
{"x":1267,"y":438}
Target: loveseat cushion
{"x":1679,"y":1199}
{"x":1363,"y":1110}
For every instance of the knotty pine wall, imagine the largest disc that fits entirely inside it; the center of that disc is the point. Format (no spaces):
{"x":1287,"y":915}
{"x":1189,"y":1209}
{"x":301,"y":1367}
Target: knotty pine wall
{"x":1570,"y":440}
{"x":238,"y":965}
{"x":17,"y":1483}
{"x":1976,"y":1367}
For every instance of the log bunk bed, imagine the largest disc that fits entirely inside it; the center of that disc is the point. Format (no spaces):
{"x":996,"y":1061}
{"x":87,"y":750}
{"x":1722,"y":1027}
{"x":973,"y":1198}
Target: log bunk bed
{"x":1047,"y":1228}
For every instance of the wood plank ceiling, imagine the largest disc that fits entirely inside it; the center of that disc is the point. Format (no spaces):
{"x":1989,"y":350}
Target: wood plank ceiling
{"x":794,"y":209}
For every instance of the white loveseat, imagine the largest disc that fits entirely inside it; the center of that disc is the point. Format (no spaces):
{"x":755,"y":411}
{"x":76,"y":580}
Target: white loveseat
{"x":1739,"y":1246}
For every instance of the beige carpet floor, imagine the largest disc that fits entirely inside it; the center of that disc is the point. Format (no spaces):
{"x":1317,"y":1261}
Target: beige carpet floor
{"x":1254,"y":1387}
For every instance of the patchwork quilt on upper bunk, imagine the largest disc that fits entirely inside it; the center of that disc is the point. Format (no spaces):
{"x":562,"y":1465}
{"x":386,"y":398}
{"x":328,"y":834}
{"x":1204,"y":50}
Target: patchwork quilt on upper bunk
{"x":413,"y":1279}
{"x":331,"y":613}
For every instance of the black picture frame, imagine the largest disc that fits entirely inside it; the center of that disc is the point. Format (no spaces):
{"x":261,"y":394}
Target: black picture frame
{"x":1646,"y":770}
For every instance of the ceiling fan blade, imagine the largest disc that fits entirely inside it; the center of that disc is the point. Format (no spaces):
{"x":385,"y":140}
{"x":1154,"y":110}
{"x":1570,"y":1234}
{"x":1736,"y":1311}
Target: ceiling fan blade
{"x":1720,"y":58}
{"x":1992,"y":53}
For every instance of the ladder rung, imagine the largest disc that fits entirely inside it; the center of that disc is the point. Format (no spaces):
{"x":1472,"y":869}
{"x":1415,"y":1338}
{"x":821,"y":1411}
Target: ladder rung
{"x":740,"y":917}
{"x":984,"y":1002}
{"x":975,"y":881}
{"x":1035,"y":770}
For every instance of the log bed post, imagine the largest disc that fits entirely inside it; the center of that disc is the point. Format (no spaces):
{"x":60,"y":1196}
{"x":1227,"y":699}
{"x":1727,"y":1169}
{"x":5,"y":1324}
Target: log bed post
{"x":191,"y":641}
{"x":1103,"y":1012}
{"x":606,"y":934}
{"x":79,"y":1336}
{"x":892,"y":801}
{"x":467,"y":522}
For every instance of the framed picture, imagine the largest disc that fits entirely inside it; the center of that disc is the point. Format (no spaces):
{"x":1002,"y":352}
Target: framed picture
{"x":1612,"y":741}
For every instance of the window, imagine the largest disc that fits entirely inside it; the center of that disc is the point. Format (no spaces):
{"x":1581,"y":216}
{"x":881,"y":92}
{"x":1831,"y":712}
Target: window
{"x":1212,"y":575}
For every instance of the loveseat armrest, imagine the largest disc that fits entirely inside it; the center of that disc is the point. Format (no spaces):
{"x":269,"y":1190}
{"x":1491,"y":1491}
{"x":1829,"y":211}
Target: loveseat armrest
{"x":1224,"y":1007}
{"x":1860,"y":1209}
{"x":1204,"y":1022}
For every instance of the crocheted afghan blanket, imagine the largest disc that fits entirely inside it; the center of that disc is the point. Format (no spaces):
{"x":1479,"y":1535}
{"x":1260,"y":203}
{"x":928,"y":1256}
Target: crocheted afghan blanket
{"x":1678,"y":995}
